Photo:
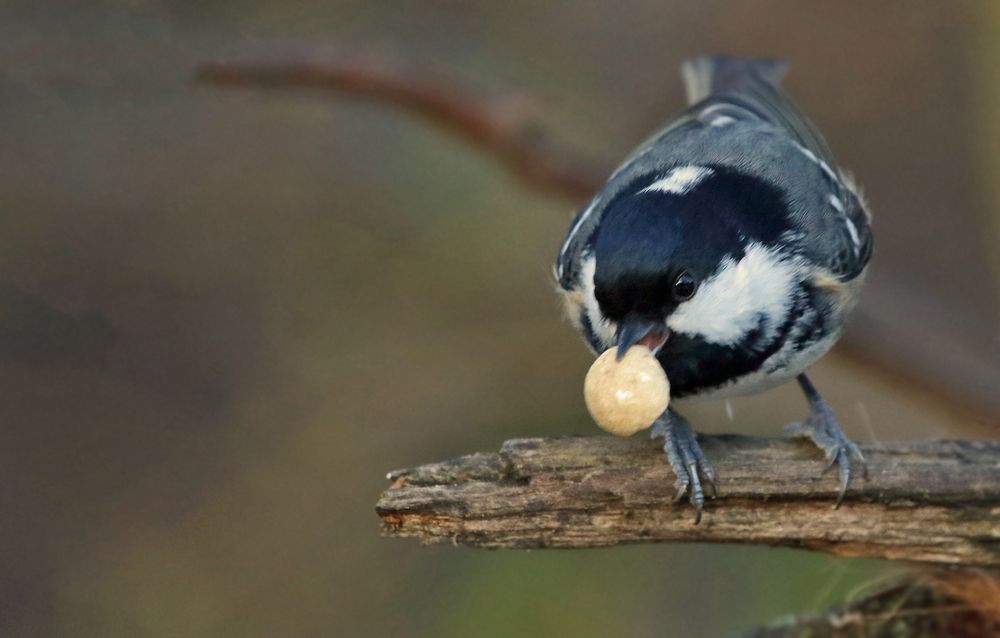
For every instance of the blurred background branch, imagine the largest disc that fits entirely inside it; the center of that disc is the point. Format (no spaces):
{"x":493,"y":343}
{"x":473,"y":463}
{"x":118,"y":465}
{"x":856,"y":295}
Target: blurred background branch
{"x":955,"y":603}
{"x":505,"y":127}
{"x":933,"y":502}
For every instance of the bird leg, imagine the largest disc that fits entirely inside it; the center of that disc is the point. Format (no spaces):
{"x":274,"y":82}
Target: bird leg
{"x":822,"y":427}
{"x":686,"y":459}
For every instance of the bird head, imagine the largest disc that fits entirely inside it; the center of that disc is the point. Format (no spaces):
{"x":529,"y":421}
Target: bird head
{"x":694,"y":250}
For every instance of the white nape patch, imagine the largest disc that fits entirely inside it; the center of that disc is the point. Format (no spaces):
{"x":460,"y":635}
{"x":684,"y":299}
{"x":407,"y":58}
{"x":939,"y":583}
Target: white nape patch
{"x":836,"y":203}
{"x":602,"y":327}
{"x":572,"y":233}
{"x":679,"y":181}
{"x":732,"y":302}
{"x":823,"y":165}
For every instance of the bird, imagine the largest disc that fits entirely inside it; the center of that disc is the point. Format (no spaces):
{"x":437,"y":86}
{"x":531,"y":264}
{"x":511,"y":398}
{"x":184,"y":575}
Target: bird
{"x":732,"y":246}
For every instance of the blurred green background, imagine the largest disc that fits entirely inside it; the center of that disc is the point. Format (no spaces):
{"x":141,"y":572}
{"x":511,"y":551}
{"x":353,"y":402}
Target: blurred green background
{"x":225,"y":314}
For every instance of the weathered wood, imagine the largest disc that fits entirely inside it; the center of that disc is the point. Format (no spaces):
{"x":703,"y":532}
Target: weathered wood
{"x":929,"y":501}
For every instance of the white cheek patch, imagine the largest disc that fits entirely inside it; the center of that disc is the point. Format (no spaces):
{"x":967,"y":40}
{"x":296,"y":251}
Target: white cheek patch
{"x":679,"y":180}
{"x":732,"y":302}
{"x":603,"y":329}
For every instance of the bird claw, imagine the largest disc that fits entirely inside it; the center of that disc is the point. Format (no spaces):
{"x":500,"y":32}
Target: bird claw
{"x":687,"y":461}
{"x":681,"y":485}
{"x":824,"y":431}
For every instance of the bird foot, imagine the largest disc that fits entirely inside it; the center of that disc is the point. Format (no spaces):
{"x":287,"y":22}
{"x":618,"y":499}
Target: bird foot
{"x":686,"y":459}
{"x":823,"y":429}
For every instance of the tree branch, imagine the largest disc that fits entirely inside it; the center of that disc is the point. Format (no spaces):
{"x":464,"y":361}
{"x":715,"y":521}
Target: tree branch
{"x":936,"y":502}
{"x":504,"y":128}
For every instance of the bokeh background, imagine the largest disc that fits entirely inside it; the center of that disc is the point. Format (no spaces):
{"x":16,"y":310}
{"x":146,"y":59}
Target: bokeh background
{"x":225,"y":314}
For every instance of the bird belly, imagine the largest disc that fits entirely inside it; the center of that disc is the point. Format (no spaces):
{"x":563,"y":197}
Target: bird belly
{"x":782,"y":366}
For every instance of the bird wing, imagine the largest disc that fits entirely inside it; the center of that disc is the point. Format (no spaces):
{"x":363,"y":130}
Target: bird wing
{"x":749,"y":88}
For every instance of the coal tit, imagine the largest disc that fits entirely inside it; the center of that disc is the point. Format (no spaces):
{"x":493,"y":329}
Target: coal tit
{"x":732,"y":246}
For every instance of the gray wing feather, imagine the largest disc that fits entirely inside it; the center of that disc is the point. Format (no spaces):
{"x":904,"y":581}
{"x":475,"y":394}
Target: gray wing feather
{"x":751,"y":86}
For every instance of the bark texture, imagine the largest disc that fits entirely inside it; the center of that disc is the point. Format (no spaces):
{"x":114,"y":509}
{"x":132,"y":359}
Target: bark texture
{"x":926,"y":501}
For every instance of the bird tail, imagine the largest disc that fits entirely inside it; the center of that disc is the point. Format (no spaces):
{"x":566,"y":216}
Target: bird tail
{"x":711,"y":75}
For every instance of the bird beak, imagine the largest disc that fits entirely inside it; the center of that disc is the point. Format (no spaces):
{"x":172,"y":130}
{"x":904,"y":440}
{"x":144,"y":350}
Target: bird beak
{"x":642,"y":331}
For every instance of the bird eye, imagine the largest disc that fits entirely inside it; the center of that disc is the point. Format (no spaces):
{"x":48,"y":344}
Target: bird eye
{"x":684,"y":287}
